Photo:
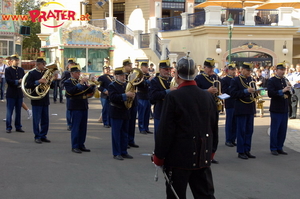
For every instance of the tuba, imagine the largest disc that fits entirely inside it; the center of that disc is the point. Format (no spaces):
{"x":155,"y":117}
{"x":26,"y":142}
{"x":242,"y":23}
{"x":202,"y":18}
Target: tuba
{"x":135,"y":77}
{"x":42,"y":89}
{"x":254,"y":95}
{"x":217,"y":84}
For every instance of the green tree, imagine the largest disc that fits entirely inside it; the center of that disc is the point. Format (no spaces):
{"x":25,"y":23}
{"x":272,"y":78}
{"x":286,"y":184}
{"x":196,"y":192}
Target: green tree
{"x":31,"y":44}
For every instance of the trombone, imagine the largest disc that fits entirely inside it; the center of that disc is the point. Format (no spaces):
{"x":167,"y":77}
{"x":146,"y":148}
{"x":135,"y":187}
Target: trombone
{"x":217,"y":84}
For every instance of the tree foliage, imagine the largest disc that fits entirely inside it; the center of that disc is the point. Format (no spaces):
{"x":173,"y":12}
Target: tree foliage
{"x":30,"y":42}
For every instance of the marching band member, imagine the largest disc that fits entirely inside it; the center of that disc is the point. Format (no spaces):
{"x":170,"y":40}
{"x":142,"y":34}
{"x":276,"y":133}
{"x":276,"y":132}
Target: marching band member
{"x":205,"y":81}
{"x":127,"y":67}
{"x":144,"y":104}
{"x":230,"y":131}
{"x":40,"y":107}
{"x":279,"y":93}
{"x":159,"y":88}
{"x":77,"y":90}
{"x":183,"y":142}
{"x":65,"y":76}
{"x":244,"y":110}
{"x":119,"y":114}
{"x":14,"y":94}
{"x":105,"y":80}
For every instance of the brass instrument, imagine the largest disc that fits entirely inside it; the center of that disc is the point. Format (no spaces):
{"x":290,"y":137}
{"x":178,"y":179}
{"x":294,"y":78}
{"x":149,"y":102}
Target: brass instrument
{"x":43,"y":88}
{"x":135,"y":77}
{"x":217,"y":84}
{"x":91,"y":82}
{"x":288,"y":84}
{"x":254,"y":95}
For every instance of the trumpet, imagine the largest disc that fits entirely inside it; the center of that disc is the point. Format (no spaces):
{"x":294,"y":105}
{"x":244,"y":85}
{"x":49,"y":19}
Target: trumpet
{"x":288,"y":84}
{"x":254,"y":95}
{"x":217,"y":84}
{"x":90,"y":82}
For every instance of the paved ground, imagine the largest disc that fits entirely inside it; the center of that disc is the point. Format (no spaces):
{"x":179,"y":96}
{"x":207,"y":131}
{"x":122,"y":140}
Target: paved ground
{"x":51,"y":170}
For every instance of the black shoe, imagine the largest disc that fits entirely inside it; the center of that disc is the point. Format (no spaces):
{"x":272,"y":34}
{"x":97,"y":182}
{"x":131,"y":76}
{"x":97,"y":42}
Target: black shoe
{"x":274,"y":152}
{"x":118,"y":157}
{"x":127,"y":156}
{"x":250,"y":155}
{"x":143,"y":132}
{"x":243,"y":156}
{"x":38,"y":141}
{"x":69,"y":128}
{"x":149,"y":132}
{"x":20,"y":130}
{"x":45,"y":140}
{"x":282,"y":152}
{"x":133,"y":145}
{"x":62,"y":102}
{"x":234,"y":144}
{"x":214,"y":161}
{"x":106,"y":126}
{"x":8,"y":131}
{"x":128,"y":147}
{"x":84,"y":149}
{"x":293,"y":117}
{"x":76,"y":150}
{"x":229,"y":144}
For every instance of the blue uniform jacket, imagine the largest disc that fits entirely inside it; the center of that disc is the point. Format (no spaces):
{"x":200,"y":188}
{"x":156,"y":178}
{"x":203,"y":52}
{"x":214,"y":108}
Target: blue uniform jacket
{"x":117,"y":97}
{"x":143,"y":88}
{"x":77,"y":94}
{"x":12,"y":76}
{"x":225,"y":82}
{"x":159,"y":87}
{"x":105,"y":81}
{"x":244,"y":104}
{"x":32,"y":83}
{"x":279,"y":103}
{"x":204,"y":81}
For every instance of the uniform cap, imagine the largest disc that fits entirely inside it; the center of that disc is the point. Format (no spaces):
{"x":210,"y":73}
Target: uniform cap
{"x":75,"y":68}
{"x":144,"y":64}
{"x":40,"y":59}
{"x":231,"y":66}
{"x":209,"y":62}
{"x":247,"y":66}
{"x":126,"y":61}
{"x":281,"y":66}
{"x":119,"y":71}
{"x":165,"y":64}
{"x":71,"y":60}
{"x":15,"y":57}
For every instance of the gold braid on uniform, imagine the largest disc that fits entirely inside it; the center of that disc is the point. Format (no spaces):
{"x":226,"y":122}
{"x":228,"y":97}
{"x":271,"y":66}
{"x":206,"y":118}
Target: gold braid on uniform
{"x":206,"y":77}
{"x":246,"y":86}
{"x":75,"y":81}
{"x":162,"y":83}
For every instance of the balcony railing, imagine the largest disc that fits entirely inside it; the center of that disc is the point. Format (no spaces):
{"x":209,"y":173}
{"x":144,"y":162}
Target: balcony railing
{"x":101,"y":23}
{"x":169,"y":23}
{"x":158,"y":45}
{"x":266,"y":18}
{"x":124,"y":32}
{"x":145,"y":40}
{"x":196,"y":19}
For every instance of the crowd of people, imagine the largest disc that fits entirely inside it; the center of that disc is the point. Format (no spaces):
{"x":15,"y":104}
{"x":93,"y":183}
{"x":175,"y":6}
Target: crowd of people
{"x":187,"y":103}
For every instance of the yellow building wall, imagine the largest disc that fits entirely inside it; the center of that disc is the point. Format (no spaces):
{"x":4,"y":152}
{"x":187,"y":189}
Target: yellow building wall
{"x":133,"y":9}
{"x":98,"y":13}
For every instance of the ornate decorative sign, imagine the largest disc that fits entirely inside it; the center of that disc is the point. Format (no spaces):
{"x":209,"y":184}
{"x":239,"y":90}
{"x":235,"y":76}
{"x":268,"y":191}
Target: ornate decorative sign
{"x":86,"y":35}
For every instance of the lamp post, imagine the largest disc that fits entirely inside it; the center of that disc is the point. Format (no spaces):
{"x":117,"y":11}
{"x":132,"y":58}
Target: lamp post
{"x":230,"y":23}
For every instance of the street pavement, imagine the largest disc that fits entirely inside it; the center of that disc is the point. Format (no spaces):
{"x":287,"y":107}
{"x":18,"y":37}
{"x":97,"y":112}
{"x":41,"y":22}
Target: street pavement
{"x":51,"y":171}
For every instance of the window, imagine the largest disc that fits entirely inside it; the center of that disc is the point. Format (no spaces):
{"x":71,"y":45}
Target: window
{"x":4,"y":47}
{"x":89,"y":9}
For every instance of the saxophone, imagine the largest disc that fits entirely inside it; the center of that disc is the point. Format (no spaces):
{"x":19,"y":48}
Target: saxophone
{"x":135,"y":77}
{"x":43,"y":88}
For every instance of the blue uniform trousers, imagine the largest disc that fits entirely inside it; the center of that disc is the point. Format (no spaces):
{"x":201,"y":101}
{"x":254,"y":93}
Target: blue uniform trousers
{"x":79,"y":128}
{"x":230,"y":125}
{"x":119,"y":136}
{"x":278,"y":129}
{"x":40,"y":120}
{"x":144,"y":114}
{"x":68,"y":114}
{"x":57,"y":87}
{"x":105,"y":115}
{"x":12,"y":103}
{"x":244,"y":131}
{"x":2,"y":88}
{"x":131,"y":127}
{"x":156,"y":124}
